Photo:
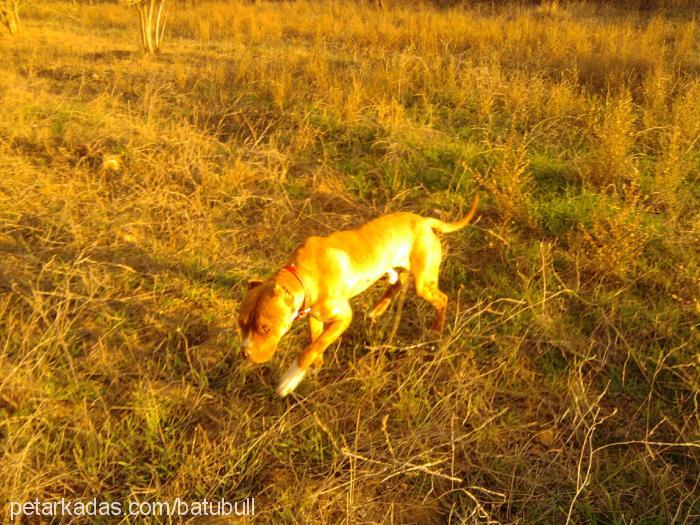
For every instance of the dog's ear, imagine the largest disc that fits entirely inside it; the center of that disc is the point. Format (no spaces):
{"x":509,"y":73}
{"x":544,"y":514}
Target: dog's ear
{"x":254,"y":284}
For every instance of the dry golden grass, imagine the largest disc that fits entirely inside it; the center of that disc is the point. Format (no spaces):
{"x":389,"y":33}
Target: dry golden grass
{"x":137,"y":195}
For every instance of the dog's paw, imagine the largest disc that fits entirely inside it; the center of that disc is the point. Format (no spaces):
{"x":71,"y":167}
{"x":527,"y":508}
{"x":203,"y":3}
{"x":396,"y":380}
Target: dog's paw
{"x":290,"y":380}
{"x":438,"y":327}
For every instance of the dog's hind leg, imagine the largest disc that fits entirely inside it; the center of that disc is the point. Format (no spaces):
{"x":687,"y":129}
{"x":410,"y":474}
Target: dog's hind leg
{"x":385,"y":300}
{"x":431,"y":293}
{"x":425,"y":266}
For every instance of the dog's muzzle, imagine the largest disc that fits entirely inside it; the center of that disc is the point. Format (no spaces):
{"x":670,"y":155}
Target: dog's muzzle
{"x":245,"y":348}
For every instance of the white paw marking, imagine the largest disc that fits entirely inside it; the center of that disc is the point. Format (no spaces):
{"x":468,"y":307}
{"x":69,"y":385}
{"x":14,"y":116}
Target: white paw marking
{"x":290,"y":380}
{"x":393,"y":276}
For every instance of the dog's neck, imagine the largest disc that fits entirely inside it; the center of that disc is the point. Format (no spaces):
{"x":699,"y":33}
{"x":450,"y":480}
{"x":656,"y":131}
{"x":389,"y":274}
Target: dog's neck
{"x":289,"y":278}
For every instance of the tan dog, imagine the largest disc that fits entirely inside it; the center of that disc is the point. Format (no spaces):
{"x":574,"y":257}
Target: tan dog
{"x":325,"y":272}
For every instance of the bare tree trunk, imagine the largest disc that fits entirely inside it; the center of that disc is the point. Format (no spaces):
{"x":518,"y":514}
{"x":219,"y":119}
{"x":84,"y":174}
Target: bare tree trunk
{"x":152,"y":18}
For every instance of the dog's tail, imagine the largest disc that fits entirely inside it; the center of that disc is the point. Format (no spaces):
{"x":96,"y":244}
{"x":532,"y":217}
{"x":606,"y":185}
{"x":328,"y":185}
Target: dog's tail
{"x":449,"y":227}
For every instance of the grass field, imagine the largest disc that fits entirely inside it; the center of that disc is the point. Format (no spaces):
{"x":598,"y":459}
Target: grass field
{"x":138,"y":194}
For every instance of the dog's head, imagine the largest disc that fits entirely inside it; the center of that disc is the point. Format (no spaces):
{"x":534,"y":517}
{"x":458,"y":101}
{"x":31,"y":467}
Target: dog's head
{"x":266,"y":314}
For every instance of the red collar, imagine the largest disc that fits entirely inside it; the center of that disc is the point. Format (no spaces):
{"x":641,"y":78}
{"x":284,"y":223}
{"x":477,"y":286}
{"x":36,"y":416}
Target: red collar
{"x":303,"y":310}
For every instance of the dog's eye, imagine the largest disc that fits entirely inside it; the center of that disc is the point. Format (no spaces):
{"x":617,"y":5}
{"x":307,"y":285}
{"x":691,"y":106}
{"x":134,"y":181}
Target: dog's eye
{"x":265,"y":329}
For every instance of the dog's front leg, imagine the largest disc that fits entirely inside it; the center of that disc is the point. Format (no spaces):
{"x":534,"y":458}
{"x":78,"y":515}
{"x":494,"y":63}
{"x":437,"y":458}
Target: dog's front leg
{"x":315,"y":331}
{"x":337,"y":316}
